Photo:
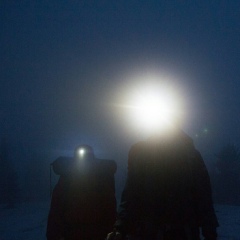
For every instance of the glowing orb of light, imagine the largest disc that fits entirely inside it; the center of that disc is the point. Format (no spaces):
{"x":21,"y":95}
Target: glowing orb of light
{"x":81,"y":152}
{"x":150,"y":101}
{"x":154,"y":109}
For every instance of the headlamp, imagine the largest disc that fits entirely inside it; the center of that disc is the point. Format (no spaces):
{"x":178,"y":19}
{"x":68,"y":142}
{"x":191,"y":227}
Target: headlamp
{"x":81,"y":152}
{"x":154,"y":110}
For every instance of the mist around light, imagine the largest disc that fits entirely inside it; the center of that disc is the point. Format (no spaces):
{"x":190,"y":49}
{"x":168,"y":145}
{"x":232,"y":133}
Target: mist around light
{"x":151,"y":103}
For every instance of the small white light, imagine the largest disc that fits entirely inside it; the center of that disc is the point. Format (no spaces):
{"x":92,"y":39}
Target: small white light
{"x":81,"y":152}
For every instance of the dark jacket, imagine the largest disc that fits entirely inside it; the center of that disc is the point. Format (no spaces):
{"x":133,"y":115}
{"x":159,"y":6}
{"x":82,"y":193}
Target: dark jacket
{"x":83,"y":202}
{"x":168,"y":187}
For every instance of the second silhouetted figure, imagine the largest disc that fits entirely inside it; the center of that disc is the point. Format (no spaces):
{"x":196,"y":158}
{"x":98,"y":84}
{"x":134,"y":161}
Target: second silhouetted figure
{"x":167,"y":195}
{"x":83,"y":202}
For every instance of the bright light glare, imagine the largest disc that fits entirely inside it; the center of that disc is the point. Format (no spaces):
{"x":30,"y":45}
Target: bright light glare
{"x":154,"y":110}
{"x":151,"y":101}
{"x":81,"y":152}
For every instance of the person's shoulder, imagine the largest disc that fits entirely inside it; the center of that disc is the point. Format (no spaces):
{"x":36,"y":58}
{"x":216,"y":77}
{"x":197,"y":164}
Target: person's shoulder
{"x":136,"y":152}
{"x":62,"y":165}
{"x":137,"y":146}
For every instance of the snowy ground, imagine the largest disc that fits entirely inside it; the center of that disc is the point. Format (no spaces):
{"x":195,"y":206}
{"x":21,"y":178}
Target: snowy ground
{"x":28,"y":222}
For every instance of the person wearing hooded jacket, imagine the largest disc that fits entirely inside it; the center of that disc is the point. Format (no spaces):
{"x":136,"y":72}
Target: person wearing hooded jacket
{"x":167,"y":195}
{"x":83,"y":204}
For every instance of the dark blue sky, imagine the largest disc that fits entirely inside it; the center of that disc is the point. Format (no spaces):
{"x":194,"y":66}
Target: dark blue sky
{"x":62,"y":62}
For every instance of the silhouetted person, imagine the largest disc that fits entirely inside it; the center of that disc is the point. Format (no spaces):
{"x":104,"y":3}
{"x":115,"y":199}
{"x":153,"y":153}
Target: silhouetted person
{"x":167,"y":195}
{"x":83,"y":205}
